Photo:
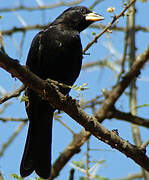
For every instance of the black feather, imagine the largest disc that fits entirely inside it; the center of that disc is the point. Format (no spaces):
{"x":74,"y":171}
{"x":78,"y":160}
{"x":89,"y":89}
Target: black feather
{"x":55,"y":53}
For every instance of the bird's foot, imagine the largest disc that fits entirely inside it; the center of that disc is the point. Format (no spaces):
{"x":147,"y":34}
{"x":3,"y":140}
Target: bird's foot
{"x":73,"y":100}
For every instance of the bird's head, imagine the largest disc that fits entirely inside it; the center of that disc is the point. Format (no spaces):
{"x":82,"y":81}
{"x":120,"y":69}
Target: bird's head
{"x":78,"y":18}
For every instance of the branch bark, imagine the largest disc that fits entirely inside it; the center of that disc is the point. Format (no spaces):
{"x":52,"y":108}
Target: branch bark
{"x":115,"y":113}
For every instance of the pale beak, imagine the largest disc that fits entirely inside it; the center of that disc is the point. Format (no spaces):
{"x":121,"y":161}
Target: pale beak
{"x":93,"y":17}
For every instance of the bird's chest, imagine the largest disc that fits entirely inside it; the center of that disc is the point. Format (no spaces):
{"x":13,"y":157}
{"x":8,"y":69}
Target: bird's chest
{"x":66,"y":45}
{"x":64,"y":58}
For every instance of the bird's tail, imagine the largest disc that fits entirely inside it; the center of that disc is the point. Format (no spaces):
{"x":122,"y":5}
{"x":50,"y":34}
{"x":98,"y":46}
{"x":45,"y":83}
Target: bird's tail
{"x":37,"y":153}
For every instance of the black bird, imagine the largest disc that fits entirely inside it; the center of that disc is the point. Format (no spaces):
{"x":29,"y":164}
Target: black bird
{"x":55,"y":53}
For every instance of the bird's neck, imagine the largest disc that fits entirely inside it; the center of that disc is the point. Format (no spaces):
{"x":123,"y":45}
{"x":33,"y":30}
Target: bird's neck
{"x":66,"y":25}
{"x":63,"y":27}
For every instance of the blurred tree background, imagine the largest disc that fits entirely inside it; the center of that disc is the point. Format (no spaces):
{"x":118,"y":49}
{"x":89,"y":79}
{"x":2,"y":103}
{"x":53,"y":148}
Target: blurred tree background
{"x":76,"y":153}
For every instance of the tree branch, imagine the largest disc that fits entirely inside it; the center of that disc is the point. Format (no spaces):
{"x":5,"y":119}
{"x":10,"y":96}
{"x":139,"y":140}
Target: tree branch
{"x":13,"y":94}
{"x":60,"y":3}
{"x":50,"y":92}
{"x":39,"y":26}
{"x":12,"y":137}
{"x":123,"y":84}
{"x":132,"y":177}
{"x":124,"y":116}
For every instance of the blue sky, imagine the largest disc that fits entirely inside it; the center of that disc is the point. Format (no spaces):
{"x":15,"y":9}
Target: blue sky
{"x":116,"y":165}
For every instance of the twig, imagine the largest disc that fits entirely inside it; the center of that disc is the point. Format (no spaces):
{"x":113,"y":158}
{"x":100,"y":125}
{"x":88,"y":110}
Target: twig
{"x":2,"y":43}
{"x":124,"y":53}
{"x":37,"y":26}
{"x":95,"y":3}
{"x":118,"y":28}
{"x":12,"y":95}
{"x":144,"y":145}
{"x":132,"y":177}
{"x":5,"y":105}
{"x":115,"y":113}
{"x":71,"y":177}
{"x":22,"y":29}
{"x":10,"y":140}
{"x":1,"y":176}
{"x":60,"y":3}
{"x":87,"y":160}
{"x":13,"y":119}
{"x":65,"y":125}
{"x":102,"y":63}
{"x":110,"y":24}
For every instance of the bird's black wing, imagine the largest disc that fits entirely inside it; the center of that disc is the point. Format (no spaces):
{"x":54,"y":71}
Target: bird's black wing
{"x":37,"y":153}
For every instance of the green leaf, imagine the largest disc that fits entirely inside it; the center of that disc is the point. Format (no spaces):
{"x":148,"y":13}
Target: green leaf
{"x":24,"y":99}
{"x":15,"y":176}
{"x":141,"y":106}
{"x":79,"y":164}
{"x":75,"y":87}
{"x":80,"y":88}
{"x":57,"y":116}
{"x":38,"y":178}
{"x":93,"y":33}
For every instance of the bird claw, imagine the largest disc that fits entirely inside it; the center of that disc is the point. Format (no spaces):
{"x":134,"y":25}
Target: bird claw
{"x":73,"y":100}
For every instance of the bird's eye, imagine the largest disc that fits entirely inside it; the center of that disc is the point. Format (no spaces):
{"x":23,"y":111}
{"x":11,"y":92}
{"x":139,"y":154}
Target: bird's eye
{"x":82,"y":10}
